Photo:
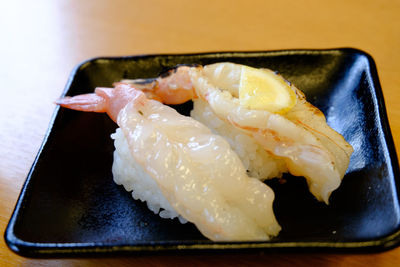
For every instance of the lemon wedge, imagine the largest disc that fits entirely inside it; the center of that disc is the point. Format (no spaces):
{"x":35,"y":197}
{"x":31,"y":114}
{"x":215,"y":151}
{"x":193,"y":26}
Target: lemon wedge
{"x":263,"y":89}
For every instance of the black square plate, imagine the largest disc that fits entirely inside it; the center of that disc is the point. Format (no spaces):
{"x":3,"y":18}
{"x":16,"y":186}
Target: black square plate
{"x":69,"y":204}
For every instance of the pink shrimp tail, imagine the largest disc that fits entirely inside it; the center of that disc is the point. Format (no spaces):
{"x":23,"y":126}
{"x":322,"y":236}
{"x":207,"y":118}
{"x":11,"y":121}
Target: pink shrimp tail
{"x":172,"y":89}
{"x":177,"y":88}
{"x":109,"y":100}
{"x":87,"y":102}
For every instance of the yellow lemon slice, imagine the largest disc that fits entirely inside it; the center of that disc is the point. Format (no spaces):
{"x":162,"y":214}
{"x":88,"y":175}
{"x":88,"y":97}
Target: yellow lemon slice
{"x":263,"y":89}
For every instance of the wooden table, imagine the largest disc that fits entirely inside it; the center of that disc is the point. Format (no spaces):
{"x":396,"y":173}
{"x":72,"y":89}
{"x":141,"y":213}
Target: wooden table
{"x":41,"y":41}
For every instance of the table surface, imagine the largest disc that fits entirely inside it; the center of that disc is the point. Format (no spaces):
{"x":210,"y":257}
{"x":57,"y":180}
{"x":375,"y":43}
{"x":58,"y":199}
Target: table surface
{"x":43,"y":40}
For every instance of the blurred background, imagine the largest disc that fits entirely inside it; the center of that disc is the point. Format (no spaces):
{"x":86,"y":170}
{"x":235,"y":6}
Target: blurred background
{"x":42,"y":41}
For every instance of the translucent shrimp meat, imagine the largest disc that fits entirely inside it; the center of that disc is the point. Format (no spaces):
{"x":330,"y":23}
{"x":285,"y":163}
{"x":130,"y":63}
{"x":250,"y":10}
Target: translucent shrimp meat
{"x":197,"y":173}
{"x":297,"y":140}
{"x":300,"y":137}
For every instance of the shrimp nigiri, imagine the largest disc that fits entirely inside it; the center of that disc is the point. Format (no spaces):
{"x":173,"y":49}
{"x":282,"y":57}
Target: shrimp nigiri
{"x":297,"y":140}
{"x":182,"y":167}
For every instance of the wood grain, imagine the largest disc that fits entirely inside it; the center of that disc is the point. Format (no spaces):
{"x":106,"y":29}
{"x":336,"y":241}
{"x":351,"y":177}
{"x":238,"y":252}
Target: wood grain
{"x":41,"y":41}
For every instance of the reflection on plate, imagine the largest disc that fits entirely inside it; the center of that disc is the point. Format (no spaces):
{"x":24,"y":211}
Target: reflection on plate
{"x":70,"y":204}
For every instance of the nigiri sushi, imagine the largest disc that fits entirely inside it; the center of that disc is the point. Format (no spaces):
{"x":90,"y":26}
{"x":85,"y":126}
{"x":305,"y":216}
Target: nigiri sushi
{"x":180,"y":168}
{"x":266,"y":119}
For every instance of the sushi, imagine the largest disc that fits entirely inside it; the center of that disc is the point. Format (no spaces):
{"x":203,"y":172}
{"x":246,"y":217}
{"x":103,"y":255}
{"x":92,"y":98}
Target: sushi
{"x":247,"y":125}
{"x":180,"y":168}
{"x":266,"y":119}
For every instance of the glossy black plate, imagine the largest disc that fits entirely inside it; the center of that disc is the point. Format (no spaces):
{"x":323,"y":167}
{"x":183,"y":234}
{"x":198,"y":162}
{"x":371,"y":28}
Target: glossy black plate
{"x":70,"y":204}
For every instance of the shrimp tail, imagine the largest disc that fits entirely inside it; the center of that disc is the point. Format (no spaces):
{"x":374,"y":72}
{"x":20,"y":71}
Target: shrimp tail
{"x":86,"y":102}
{"x":173,"y":87}
{"x":108,"y":100}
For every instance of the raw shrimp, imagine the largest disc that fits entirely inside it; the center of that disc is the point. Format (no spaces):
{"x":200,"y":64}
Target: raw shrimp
{"x":104,"y":100}
{"x":196,"y":171}
{"x":300,"y":137}
{"x":174,"y":87}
